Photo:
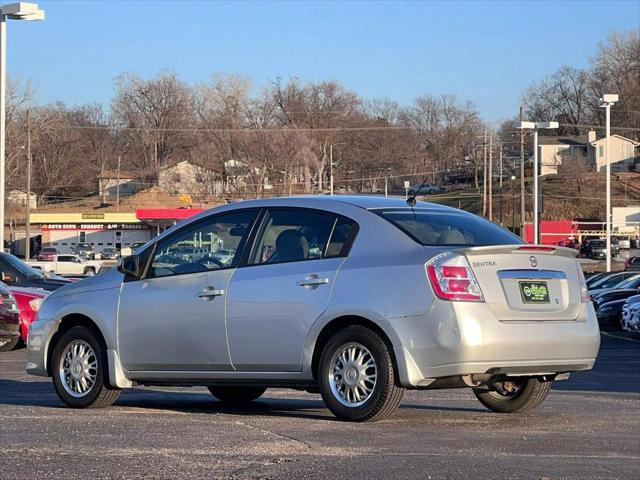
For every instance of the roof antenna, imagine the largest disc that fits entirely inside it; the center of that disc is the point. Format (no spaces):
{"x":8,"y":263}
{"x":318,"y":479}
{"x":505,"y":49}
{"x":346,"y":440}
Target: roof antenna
{"x":411,"y":199}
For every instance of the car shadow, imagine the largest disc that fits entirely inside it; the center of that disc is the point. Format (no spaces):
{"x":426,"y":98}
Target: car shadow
{"x":42,"y":394}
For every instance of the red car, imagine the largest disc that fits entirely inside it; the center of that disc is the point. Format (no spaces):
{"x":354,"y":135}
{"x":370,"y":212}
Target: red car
{"x":9,"y":320}
{"x":47,"y":254}
{"x":28,"y":300}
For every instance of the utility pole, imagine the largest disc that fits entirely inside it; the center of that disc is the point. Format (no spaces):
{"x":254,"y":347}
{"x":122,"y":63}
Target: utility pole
{"x":501,"y":167}
{"x":484,"y":175}
{"x":118,"y":187}
{"x":331,"y":169}
{"x":490,"y":184}
{"x":522,"y":198}
{"x":27,"y":224}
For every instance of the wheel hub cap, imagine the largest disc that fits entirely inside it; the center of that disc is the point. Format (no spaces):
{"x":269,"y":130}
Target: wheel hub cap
{"x":353,"y":375}
{"x":78,"y":368}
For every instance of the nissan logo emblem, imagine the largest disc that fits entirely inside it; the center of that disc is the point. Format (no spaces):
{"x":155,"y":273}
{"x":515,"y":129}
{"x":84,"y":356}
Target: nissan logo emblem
{"x":533,"y":261}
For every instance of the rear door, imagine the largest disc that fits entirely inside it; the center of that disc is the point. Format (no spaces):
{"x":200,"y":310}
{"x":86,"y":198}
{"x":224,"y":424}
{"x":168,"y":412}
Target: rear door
{"x":284,"y":287}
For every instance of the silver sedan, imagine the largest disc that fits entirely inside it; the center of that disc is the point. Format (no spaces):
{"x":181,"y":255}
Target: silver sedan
{"x":358,"y":298}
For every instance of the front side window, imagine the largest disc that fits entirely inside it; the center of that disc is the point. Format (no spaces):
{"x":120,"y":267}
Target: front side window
{"x":433,"y":228}
{"x":210,"y":244}
{"x":296,"y":235}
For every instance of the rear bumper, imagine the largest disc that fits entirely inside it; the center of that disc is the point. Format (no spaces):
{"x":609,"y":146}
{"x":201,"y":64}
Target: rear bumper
{"x":465,"y":338}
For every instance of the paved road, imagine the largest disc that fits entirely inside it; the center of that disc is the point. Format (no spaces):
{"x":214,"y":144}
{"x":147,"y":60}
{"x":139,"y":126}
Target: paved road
{"x":588,"y":428}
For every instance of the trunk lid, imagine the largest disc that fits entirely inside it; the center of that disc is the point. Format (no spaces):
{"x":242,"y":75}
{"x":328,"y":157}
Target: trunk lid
{"x":522,"y":283}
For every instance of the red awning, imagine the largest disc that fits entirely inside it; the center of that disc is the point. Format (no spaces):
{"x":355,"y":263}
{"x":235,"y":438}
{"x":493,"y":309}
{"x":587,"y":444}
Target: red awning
{"x":145,"y":214}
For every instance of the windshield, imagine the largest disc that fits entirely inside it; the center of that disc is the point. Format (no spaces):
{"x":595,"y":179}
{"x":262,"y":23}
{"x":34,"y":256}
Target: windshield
{"x":21,"y":267}
{"x":610,"y":281}
{"x":435,"y":228}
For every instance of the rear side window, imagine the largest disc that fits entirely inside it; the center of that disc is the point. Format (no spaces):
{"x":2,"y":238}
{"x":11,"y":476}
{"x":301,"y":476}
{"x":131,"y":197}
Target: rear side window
{"x":433,"y":228}
{"x":296,"y":235}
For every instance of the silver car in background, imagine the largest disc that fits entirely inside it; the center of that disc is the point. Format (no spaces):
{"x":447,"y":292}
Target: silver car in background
{"x":358,"y":298}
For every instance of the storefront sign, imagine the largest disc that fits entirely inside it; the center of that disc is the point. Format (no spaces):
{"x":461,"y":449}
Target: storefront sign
{"x":93,"y":226}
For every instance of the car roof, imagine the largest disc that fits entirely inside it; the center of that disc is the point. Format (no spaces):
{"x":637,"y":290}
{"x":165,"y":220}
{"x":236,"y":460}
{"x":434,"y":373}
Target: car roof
{"x":362,"y":201}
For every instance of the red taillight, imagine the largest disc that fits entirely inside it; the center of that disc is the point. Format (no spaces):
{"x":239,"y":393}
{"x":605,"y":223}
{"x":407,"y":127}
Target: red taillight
{"x":584,"y":289}
{"x":452,"y":279}
{"x":537,"y":248}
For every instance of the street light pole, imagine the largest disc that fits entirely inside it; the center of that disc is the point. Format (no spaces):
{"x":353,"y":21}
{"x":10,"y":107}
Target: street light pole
{"x":3,"y":92}
{"x":536,"y":219}
{"x":535,"y":126}
{"x":13,"y":11}
{"x":607,"y":101}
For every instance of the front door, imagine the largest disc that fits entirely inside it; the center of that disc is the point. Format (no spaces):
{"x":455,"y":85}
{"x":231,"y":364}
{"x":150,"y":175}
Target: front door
{"x":274,"y":300}
{"x":174,"y":317}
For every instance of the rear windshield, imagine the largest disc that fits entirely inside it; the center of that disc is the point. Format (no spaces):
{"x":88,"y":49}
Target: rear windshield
{"x":435,"y":228}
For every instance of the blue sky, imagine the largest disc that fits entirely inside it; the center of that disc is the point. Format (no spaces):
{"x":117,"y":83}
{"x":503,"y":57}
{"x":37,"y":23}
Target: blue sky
{"x":485,"y":52}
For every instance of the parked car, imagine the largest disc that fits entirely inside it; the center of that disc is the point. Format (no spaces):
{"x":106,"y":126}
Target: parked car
{"x":426,"y":189}
{"x":630,"y":319}
{"x":28,"y":301}
{"x":9,"y":319}
{"x":624,"y":243}
{"x":84,"y":250}
{"x":591,"y":278}
{"x":109,"y":253}
{"x":68,"y":265}
{"x":598,"y":249}
{"x":632,"y":263}
{"x":47,"y":254}
{"x":610,"y":281}
{"x":358,"y":298}
{"x":605,"y":294}
{"x":16,"y":273}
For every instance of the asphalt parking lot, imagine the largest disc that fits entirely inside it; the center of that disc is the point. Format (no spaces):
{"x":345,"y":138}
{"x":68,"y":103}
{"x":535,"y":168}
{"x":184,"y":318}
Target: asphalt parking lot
{"x":589,"y":427}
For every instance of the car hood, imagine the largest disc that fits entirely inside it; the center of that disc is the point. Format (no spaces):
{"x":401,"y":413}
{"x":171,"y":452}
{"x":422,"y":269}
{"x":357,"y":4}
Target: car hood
{"x":110,"y":279}
{"x":33,"y":292}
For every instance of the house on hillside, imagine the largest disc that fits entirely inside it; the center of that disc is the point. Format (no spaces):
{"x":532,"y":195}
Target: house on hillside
{"x":124,"y":183}
{"x":623,"y":152}
{"x":188,"y":178}
{"x":240,"y":176}
{"x":556,"y":151}
{"x":565,"y":150}
{"x":19,"y":198}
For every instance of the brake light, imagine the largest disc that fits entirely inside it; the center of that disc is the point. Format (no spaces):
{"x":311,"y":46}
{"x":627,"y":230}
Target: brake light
{"x":537,"y":248}
{"x":584,"y":289}
{"x":452,"y":279}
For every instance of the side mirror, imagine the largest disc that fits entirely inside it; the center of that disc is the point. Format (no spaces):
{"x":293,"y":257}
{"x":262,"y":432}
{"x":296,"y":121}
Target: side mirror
{"x":130,"y":266}
{"x":6,"y":277}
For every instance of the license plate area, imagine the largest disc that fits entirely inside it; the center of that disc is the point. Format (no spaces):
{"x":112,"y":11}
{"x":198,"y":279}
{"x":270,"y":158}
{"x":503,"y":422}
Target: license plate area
{"x":534,"y":292}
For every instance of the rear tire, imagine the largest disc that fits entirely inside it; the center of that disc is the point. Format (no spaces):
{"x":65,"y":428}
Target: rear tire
{"x":89,"y":272}
{"x":237,"y":394}
{"x":528,"y":394}
{"x":356,"y":376}
{"x":79,"y":368}
{"x":7,"y":347}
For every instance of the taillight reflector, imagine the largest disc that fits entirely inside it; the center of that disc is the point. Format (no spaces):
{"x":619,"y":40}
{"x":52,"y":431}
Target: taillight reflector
{"x":451,"y":278}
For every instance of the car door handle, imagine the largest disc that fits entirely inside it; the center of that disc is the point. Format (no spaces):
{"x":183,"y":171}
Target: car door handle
{"x":209,"y":293}
{"x":313,"y":281}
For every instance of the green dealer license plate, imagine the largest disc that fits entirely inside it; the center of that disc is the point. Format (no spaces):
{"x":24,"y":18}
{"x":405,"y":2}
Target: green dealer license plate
{"x":534,"y":292}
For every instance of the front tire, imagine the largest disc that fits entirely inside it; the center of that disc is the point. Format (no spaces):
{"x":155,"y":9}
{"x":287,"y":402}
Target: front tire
{"x":89,"y":272}
{"x":233,"y":394}
{"x":79,"y":370}
{"x":356,"y":376}
{"x":517,"y":395}
{"x":10,"y":345}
